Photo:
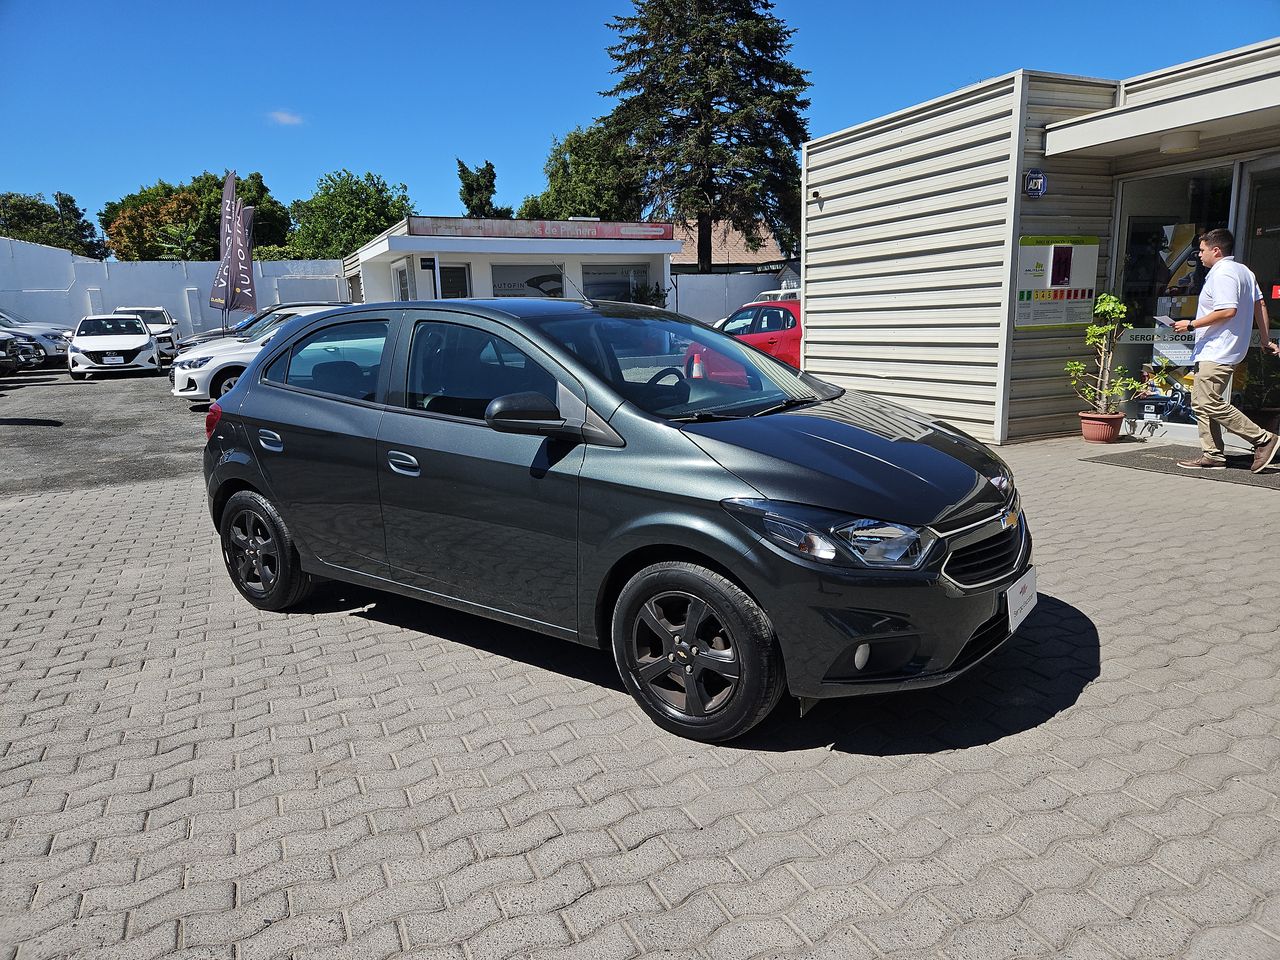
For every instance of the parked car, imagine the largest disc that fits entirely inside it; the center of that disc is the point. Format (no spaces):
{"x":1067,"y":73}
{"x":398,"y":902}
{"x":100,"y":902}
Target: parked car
{"x":246,"y":327}
{"x":108,"y":343}
{"x":17,"y":353}
{"x":162,"y":326}
{"x":207,"y":371}
{"x":773,"y":327}
{"x":726,"y":543}
{"x":49,"y":341}
{"x":27,"y":348}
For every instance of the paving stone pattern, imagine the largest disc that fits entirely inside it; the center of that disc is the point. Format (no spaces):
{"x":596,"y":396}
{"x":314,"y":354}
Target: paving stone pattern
{"x":182,"y":775}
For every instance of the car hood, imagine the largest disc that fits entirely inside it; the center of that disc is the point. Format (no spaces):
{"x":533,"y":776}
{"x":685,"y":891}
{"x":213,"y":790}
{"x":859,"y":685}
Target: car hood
{"x":863,"y":456}
{"x":130,"y":342}
{"x":220,"y":348}
{"x":36,"y":329}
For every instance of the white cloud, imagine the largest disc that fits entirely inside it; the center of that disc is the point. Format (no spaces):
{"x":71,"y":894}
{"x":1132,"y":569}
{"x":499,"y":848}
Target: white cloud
{"x":285,"y":118}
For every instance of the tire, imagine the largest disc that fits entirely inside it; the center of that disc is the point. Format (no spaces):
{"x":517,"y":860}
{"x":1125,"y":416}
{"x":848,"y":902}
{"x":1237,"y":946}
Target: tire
{"x":76,"y":375}
{"x":224,"y":381}
{"x":259,"y":553}
{"x":733,"y":635}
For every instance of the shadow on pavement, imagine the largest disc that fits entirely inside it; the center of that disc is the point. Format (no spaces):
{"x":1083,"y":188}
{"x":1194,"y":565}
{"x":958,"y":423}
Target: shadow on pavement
{"x":28,"y":422}
{"x":1037,"y":674}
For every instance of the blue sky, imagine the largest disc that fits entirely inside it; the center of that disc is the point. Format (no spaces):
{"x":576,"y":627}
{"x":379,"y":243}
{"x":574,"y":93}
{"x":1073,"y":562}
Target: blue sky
{"x":99,"y":98}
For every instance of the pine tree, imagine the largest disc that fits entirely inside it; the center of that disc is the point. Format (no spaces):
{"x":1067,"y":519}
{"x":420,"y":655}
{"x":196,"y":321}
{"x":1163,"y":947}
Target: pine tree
{"x":477,"y":190}
{"x":713,"y":108}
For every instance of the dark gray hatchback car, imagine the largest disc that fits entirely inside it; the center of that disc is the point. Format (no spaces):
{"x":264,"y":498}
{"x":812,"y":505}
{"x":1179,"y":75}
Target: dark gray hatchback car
{"x":626,"y":478}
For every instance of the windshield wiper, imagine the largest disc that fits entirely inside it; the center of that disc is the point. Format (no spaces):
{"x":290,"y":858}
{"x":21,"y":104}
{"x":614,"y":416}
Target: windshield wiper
{"x":706,"y":416}
{"x":786,"y":404}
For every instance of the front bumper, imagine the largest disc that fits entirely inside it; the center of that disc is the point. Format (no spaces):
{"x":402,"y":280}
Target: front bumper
{"x":918,"y":629}
{"x":81,"y":363}
{"x":190,"y":384}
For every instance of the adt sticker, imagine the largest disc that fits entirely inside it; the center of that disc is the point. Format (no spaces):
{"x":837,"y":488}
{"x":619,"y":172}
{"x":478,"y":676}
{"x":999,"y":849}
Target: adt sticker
{"x":1035,"y":183}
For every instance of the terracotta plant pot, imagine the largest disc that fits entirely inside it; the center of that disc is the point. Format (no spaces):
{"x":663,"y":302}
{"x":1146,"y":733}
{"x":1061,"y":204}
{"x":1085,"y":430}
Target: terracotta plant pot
{"x":1100,"y":427}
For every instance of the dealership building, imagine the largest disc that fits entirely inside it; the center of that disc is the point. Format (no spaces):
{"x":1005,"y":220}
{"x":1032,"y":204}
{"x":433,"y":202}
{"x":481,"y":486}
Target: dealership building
{"x":952,"y":251}
{"x":429,"y":258}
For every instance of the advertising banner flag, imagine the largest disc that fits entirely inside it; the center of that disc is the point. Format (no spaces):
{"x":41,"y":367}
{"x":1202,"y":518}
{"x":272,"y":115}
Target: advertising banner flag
{"x":227,"y":220}
{"x":243,"y":295}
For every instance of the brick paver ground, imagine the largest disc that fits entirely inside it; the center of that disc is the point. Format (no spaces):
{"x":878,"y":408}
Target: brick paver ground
{"x":182,"y":775}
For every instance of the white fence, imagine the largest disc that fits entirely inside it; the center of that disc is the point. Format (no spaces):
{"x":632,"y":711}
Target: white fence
{"x":58,"y":287}
{"x":710,"y":296}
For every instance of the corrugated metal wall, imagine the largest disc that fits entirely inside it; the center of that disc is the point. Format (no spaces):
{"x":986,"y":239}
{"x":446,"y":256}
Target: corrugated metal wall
{"x":1221,"y":70}
{"x":1079,"y":203}
{"x":905,"y":254}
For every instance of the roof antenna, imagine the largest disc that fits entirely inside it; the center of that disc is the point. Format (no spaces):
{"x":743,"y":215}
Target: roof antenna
{"x":564,"y":275}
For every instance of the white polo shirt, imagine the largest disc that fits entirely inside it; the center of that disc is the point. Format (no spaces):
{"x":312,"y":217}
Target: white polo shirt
{"x":1228,"y":284}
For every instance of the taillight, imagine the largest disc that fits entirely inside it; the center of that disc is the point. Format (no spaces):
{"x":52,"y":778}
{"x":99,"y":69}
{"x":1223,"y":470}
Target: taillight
{"x":211,"y":420}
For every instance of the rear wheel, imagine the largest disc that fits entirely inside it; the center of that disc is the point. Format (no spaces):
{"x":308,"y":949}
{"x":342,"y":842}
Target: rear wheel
{"x":224,"y":382}
{"x":696,"y":652}
{"x":260,"y":555}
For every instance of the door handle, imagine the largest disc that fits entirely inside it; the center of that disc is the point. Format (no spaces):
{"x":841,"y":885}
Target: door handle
{"x":403,"y":464}
{"x":270,"y":440}
{"x":771,"y":341}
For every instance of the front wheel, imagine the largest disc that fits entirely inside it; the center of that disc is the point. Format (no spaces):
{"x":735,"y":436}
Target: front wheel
{"x":259,"y":553}
{"x":223,"y":383}
{"x":696,"y":652}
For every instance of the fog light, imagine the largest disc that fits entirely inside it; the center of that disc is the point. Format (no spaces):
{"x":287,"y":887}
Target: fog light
{"x":861,"y":655}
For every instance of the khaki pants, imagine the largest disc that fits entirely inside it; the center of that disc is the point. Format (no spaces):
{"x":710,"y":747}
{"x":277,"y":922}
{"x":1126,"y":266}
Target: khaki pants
{"x":1214,"y":414}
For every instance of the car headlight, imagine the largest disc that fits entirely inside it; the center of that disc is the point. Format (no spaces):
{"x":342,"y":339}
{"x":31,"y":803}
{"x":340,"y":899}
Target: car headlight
{"x":832,"y":538}
{"x":880,"y":544}
{"x":72,"y":348}
{"x":52,"y":338}
{"x":195,"y":363}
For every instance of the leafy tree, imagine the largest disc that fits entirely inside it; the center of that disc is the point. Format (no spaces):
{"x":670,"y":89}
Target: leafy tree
{"x":145,"y":231}
{"x":273,"y":251}
{"x":712,"y":107}
{"x":478,"y":188}
{"x":590,"y":173}
{"x":28,"y":216}
{"x":345,"y":212}
{"x":142,"y":230}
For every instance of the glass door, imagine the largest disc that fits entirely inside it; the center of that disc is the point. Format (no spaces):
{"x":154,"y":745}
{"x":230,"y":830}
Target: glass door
{"x":1257,"y":390}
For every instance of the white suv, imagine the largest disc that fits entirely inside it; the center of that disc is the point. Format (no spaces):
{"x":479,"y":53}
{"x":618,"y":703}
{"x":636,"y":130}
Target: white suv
{"x":162,"y":326}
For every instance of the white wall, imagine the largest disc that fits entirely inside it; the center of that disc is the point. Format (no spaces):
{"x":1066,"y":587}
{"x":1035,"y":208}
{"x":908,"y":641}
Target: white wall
{"x":710,"y":296}
{"x":54,"y":286}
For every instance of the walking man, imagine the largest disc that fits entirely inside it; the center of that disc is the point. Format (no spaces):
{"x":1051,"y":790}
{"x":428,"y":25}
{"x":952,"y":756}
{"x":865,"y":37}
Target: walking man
{"x":1230,"y":303}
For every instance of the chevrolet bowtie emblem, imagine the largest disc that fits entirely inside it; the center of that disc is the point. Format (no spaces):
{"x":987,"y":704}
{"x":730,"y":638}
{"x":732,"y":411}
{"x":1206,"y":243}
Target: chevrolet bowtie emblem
{"x":1008,"y":521}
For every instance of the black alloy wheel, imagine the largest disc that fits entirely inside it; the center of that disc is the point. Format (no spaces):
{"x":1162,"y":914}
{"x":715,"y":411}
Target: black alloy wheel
{"x":260,"y":555}
{"x":696,"y":651}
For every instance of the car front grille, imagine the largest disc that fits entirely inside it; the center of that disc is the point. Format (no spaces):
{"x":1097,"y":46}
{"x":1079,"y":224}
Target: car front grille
{"x":988,"y":559}
{"x":97,"y":356}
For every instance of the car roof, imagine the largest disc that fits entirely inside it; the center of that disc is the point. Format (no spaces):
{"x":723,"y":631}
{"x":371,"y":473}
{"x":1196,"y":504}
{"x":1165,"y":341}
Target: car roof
{"x":109,"y":316}
{"x":137,"y":306}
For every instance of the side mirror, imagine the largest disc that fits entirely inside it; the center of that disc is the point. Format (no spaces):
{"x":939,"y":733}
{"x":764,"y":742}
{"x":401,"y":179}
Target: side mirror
{"x":68,"y":334}
{"x":529,"y":413}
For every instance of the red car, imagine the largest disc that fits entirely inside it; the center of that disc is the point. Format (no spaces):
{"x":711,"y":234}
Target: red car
{"x":772,"y":326}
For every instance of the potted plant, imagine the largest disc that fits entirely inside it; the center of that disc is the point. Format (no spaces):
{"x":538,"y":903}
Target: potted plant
{"x":1107,"y":386}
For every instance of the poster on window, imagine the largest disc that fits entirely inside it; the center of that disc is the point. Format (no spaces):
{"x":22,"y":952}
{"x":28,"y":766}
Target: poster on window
{"x":614,"y":281}
{"x":527,"y":280}
{"x":1056,"y":279}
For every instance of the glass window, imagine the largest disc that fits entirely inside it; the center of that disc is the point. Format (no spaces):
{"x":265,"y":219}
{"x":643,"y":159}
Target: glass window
{"x":455,"y":281}
{"x":341,"y":360}
{"x":740,"y":323}
{"x":457,"y":370}
{"x":687,"y":371}
{"x":527,"y":280}
{"x":772,"y":320}
{"x":117,"y":326}
{"x":1160,"y":274}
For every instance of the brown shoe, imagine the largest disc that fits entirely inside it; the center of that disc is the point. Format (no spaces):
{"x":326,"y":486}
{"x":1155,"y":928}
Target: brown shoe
{"x":1202,"y":463}
{"x":1264,"y":454}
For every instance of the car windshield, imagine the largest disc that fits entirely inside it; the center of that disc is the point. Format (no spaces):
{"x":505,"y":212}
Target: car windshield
{"x":677,"y":368}
{"x":147,"y":316}
{"x":267,"y":327}
{"x":111,"y":327}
